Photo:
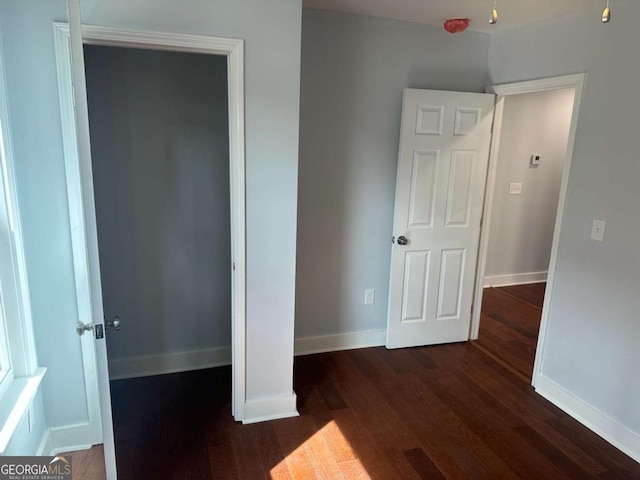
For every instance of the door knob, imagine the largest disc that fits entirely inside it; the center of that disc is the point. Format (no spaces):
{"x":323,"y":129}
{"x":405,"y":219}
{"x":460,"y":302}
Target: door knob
{"x":83,"y":327}
{"x":402,"y":240}
{"x":115,"y":323}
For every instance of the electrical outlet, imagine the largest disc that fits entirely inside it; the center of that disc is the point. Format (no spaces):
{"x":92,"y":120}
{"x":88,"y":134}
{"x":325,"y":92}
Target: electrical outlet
{"x":515,"y":188}
{"x":597,"y":230}
{"x":369,"y":296}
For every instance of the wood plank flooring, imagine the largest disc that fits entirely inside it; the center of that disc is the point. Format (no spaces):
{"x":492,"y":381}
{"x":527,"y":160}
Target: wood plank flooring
{"x":440,"y":412}
{"x":509,"y":325}
{"x":532,"y":293}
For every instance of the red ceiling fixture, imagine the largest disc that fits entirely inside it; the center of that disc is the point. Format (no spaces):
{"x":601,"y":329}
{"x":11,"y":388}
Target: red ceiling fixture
{"x":456,"y":25}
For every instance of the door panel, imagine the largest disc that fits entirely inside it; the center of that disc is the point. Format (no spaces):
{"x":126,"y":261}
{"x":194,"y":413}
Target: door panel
{"x":442,"y":166}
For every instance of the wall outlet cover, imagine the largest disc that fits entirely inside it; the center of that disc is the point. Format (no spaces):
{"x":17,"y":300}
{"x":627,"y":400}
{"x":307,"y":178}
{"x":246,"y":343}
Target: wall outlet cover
{"x":369,"y":296}
{"x":515,"y":188}
{"x":597,"y":230}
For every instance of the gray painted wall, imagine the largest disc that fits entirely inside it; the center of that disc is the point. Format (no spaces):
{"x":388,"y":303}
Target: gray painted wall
{"x":591,"y":346}
{"x":522,"y":225}
{"x":354,"y":69}
{"x":160,"y":154}
{"x":27,"y":37}
{"x":271,"y":30}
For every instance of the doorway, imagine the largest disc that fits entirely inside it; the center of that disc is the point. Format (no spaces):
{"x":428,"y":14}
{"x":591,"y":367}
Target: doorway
{"x":160,"y":158}
{"x":78,"y":166}
{"x":526,"y":188}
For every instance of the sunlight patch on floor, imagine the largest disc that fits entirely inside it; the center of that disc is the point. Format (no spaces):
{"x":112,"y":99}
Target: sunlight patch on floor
{"x":325,"y":454}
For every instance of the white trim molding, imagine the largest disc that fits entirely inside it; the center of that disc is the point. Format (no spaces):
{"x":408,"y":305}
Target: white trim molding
{"x":15,"y":404}
{"x":77,"y":224}
{"x":146,"y":365}
{"x":341,"y":341}
{"x":576,"y":81}
{"x":612,"y":431}
{"x":506,"y":280}
{"x":75,"y":119}
{"x":160,"y":364}
{"x":271,"y":408}
{"x":69,"y":438}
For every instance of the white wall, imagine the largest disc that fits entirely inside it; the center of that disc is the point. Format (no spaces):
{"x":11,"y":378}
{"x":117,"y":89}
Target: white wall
{"x":160,"y":154}
{"x":27,"y":38}
{"x":591,"y":349}
{"x":354,"y":69}
{"x":522,"y":225}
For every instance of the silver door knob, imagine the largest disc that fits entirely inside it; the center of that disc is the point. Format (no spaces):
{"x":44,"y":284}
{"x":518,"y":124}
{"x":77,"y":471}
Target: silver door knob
{"x":83,"y":327}
{"x":402,"y":240}
{"x":115,"y":323}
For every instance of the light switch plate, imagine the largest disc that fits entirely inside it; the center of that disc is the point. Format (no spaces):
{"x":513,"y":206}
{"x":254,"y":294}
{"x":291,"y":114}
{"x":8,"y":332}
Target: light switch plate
{"x":515,"y":188}
{"x":535,"y":159}
{"x":597,"y":230}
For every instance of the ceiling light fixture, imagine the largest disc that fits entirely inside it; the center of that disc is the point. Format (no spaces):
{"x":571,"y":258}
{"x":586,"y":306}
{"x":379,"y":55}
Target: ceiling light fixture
{"x":606,"y":14}
{"x":493,"y":19}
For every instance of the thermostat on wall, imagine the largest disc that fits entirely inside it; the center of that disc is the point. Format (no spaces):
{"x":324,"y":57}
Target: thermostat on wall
{"x":535,"y":159}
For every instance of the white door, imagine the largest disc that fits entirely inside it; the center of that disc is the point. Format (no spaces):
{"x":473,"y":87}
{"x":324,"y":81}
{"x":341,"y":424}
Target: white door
{"x":86,"y":264}
{"x":442,"y":169}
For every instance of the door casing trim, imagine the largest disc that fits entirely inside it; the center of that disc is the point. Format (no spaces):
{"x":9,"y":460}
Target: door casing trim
{"x":576,"y":81}
{"x":81,"y":199}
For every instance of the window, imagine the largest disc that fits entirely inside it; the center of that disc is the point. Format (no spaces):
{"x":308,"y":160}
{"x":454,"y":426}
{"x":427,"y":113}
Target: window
{"x":20,"y":376}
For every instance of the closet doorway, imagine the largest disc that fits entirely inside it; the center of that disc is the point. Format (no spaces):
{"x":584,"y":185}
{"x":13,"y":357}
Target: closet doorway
{"x":159,"y":135}
{"x":168,"y":276}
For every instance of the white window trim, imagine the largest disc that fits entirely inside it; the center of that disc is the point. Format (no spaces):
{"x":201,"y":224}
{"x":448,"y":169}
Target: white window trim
{"x":20,"y":385}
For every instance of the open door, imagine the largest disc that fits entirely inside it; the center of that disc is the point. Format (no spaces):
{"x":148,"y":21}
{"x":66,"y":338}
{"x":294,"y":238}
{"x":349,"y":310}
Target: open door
{"x":91,"y":326}
{"x":442,"y":170}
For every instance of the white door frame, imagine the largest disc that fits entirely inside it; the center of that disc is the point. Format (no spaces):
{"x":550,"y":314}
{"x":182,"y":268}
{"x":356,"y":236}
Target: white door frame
{"x":577,"y":81}
{"x":81,"y":199}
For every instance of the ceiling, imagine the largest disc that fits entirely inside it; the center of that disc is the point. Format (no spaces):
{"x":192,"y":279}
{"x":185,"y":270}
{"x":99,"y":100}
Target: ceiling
{"x":512,"y":13}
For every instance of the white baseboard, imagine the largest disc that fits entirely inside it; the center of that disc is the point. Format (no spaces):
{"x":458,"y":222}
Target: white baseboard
{"x":147,"y":365}
{"x":142,"y":366}
{"x":69,"y":438}
{"x":612,"y":431}
{"x":514,"y":279}
{"x":341,"y":341}
{"x":270,"y":409}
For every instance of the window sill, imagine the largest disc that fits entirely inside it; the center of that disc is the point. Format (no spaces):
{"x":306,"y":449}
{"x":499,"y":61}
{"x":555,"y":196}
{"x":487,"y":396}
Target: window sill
{"x":15,"y":403}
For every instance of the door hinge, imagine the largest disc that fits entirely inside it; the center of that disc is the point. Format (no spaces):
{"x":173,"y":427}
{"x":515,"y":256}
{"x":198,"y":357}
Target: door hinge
{"x":233,"y":265}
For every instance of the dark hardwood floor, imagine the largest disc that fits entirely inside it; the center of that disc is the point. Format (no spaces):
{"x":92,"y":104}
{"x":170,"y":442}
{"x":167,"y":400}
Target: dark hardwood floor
{"x":509,"y":326}
{"x":532,"y":293}
{"x":440,"y":412}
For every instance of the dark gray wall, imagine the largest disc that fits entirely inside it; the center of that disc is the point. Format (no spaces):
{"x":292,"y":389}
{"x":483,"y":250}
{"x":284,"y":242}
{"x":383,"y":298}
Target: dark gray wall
{"x":354,"y":69}
{"x":160,"y":152}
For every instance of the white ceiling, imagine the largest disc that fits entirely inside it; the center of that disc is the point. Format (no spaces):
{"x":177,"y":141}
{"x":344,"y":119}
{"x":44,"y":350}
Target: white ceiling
{"x":512,"y":13}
